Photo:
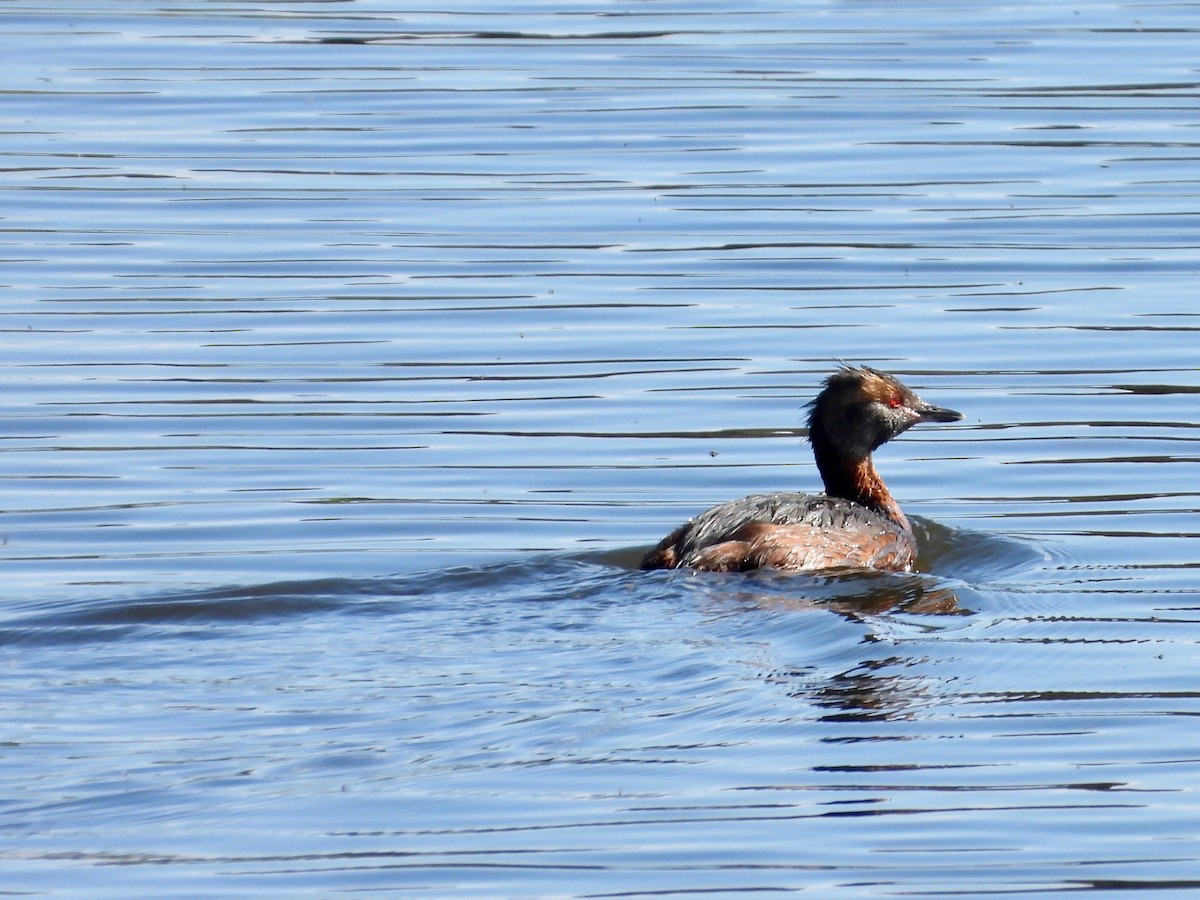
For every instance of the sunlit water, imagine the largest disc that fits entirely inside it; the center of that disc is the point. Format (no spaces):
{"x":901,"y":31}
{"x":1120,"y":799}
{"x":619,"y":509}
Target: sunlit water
{"x":353,"y":352}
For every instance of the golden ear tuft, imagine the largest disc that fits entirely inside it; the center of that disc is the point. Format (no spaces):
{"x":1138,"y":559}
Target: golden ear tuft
{"x":882,"y":388}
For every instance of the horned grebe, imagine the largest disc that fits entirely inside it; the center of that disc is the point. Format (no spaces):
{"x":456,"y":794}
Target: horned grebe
{"x":856,"y":522}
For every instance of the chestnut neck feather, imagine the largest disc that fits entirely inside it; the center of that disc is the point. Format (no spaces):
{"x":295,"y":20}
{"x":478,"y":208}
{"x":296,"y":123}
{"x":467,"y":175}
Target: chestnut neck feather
{"x":856,"y":480}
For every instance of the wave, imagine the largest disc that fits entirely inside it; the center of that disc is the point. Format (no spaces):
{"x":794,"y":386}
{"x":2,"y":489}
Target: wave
{"x":951,"y":559}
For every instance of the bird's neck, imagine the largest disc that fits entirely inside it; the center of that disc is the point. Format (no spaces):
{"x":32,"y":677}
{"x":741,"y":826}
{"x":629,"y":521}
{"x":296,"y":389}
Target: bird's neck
{"x":858,"y":481}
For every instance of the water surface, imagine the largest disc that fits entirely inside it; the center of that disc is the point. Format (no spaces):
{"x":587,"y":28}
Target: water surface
{"x":353,"y":352}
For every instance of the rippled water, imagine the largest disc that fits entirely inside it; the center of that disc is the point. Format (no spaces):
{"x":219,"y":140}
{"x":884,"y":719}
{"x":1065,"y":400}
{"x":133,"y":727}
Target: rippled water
{"x":353,"y":352}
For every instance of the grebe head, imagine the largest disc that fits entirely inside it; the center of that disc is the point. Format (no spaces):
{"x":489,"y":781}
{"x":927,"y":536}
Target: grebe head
{"x":861,"y":408}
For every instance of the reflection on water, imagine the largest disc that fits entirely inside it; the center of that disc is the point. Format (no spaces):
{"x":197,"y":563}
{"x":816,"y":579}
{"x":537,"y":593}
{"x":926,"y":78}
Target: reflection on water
{"x":354,"y":352}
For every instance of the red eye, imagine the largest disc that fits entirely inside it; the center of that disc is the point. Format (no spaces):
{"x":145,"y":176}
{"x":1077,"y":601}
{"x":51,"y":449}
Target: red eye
{"x":895,"y":402}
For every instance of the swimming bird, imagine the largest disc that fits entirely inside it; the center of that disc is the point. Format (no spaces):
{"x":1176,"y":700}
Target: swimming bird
{"x":855,"y":523}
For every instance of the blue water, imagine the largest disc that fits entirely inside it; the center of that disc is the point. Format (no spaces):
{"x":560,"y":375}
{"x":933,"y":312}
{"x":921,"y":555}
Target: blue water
{"x":353,"y":352}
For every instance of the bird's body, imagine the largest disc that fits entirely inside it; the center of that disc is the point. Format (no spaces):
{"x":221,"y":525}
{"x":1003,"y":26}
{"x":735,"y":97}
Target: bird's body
{"x":856,"y":522}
